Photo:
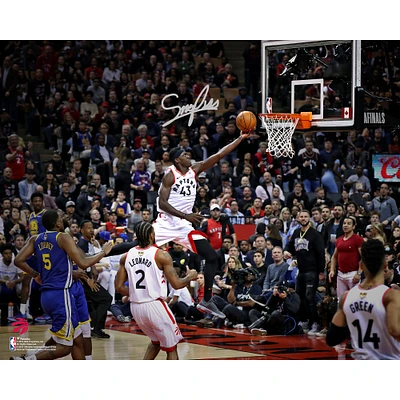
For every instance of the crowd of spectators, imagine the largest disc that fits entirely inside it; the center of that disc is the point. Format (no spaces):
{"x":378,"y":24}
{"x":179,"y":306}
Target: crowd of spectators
{"x":97,"y":107}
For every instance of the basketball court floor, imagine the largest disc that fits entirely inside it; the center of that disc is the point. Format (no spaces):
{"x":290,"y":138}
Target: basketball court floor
{"x":127,"y":342}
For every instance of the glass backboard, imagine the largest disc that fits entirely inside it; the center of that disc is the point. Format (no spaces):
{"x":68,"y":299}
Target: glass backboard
{"x":318,"y":76}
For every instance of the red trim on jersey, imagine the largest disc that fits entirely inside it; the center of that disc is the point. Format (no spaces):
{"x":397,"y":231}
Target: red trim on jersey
{"x":168,"y":311}
{"x":361,"y":288}
{"x":384,"y":294}
{"x":168,"y":349}
{"x":192,"y":242}
{"x":172,"y":172}
{"x":155,"y":255}
{"x":145,"y":248}
{"x":180,"y":173}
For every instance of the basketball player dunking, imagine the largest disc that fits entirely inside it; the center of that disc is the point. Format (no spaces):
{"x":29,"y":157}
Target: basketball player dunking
{"x":369,"y":312}
{"x":175,"y":202}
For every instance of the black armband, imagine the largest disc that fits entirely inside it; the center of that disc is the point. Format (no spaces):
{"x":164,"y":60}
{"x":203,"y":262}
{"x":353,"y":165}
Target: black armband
{"x":122,"y":248}
{"x":336,"y":334}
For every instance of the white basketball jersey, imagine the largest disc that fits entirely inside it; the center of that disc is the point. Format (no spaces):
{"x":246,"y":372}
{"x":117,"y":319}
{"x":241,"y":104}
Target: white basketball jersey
{"x":366,"y":319}
{"x":146,"y":280}
{"x":183,"y":191}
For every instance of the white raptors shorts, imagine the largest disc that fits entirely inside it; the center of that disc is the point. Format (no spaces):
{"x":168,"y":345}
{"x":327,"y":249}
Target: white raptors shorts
{"x":157,"y":322}
{"x":173,"y":229}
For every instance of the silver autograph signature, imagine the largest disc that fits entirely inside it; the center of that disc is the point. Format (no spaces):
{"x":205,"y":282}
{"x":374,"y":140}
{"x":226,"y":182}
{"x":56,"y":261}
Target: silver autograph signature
{"x":199,"y":105}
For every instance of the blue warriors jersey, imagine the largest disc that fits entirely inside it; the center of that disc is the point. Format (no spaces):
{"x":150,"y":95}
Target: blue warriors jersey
{"x":35,"y":223}
{"x":54,"y":265}
{"x":121,"y":209}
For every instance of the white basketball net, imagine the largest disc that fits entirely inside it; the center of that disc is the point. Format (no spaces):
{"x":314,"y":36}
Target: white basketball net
{"x":280,"y":129}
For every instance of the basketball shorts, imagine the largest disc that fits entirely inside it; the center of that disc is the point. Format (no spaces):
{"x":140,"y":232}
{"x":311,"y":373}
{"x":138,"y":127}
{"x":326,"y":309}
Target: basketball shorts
{"x":59,"y":304}
{"x":81,"y":305}
{"x":157,"y":322}
{"x":168,"y":228}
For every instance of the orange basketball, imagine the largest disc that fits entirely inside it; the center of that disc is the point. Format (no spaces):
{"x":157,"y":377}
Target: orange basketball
{"x":246,"y":121}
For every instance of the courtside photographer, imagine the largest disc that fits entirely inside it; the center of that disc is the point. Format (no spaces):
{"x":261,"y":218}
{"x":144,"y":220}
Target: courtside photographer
{"x":279,"y":315}
{"x":238,"y":306}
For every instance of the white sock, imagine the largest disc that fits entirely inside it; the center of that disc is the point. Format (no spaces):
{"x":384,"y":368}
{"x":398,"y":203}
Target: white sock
{"x":88,"y":357}
{"x":27,"y":307}
{"x":32,"y":357}
{"x":22,"y":308}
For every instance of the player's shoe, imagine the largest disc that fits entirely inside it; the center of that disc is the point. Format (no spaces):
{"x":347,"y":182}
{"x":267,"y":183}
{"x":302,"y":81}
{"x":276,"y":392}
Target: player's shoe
{"x":123,"y":319}
{"x":210,"y":307}
{"x":100,"y":334}
{"x":322,"y":332}
{"x":44,"y":319}
{"x":305,"y":326}
{"x":205,"y":323}
{"x":315,"y":328}
{"x":258,"y":332}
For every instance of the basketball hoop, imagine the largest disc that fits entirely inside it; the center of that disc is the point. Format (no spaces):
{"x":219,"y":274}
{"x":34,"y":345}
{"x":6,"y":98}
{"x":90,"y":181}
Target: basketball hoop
{"x":280,"y":129}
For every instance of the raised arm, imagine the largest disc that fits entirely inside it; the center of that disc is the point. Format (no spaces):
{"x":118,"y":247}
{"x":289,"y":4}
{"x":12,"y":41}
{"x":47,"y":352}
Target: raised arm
{"x":215,"y":158}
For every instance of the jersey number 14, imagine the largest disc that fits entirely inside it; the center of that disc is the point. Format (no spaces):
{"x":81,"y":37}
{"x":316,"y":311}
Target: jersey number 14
{"x":374,"y":338}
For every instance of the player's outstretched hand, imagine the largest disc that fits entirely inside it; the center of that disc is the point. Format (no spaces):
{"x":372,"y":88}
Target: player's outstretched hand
{"x":107,"y":246}
{"x":194,"y":218}
{"x":245,"y":135}
{"x":192,"y":274}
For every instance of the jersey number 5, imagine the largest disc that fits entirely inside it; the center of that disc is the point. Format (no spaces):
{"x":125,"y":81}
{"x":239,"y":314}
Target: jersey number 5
{"x":46,"y":261}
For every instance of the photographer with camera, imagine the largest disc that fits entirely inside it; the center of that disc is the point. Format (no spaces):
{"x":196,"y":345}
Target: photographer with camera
{"x":279,"y":315}
{"x":239,"y":304}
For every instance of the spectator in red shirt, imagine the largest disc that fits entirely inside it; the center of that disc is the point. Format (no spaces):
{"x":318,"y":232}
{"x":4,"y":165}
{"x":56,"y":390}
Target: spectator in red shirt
{"x":142,"y":130}
{"x":214,"y":228}
{"x":47,"y":62}
{"x":72,"y":110}
{"x":346,"y":258}
{"x":98,"y":72}
{"x":111,"y":224}
{"x":15,"y":158}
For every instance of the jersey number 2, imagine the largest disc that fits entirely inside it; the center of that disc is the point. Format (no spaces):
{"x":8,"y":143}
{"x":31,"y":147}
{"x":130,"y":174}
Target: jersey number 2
{"x":374,"y":338}
{"x":138,"y":283}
